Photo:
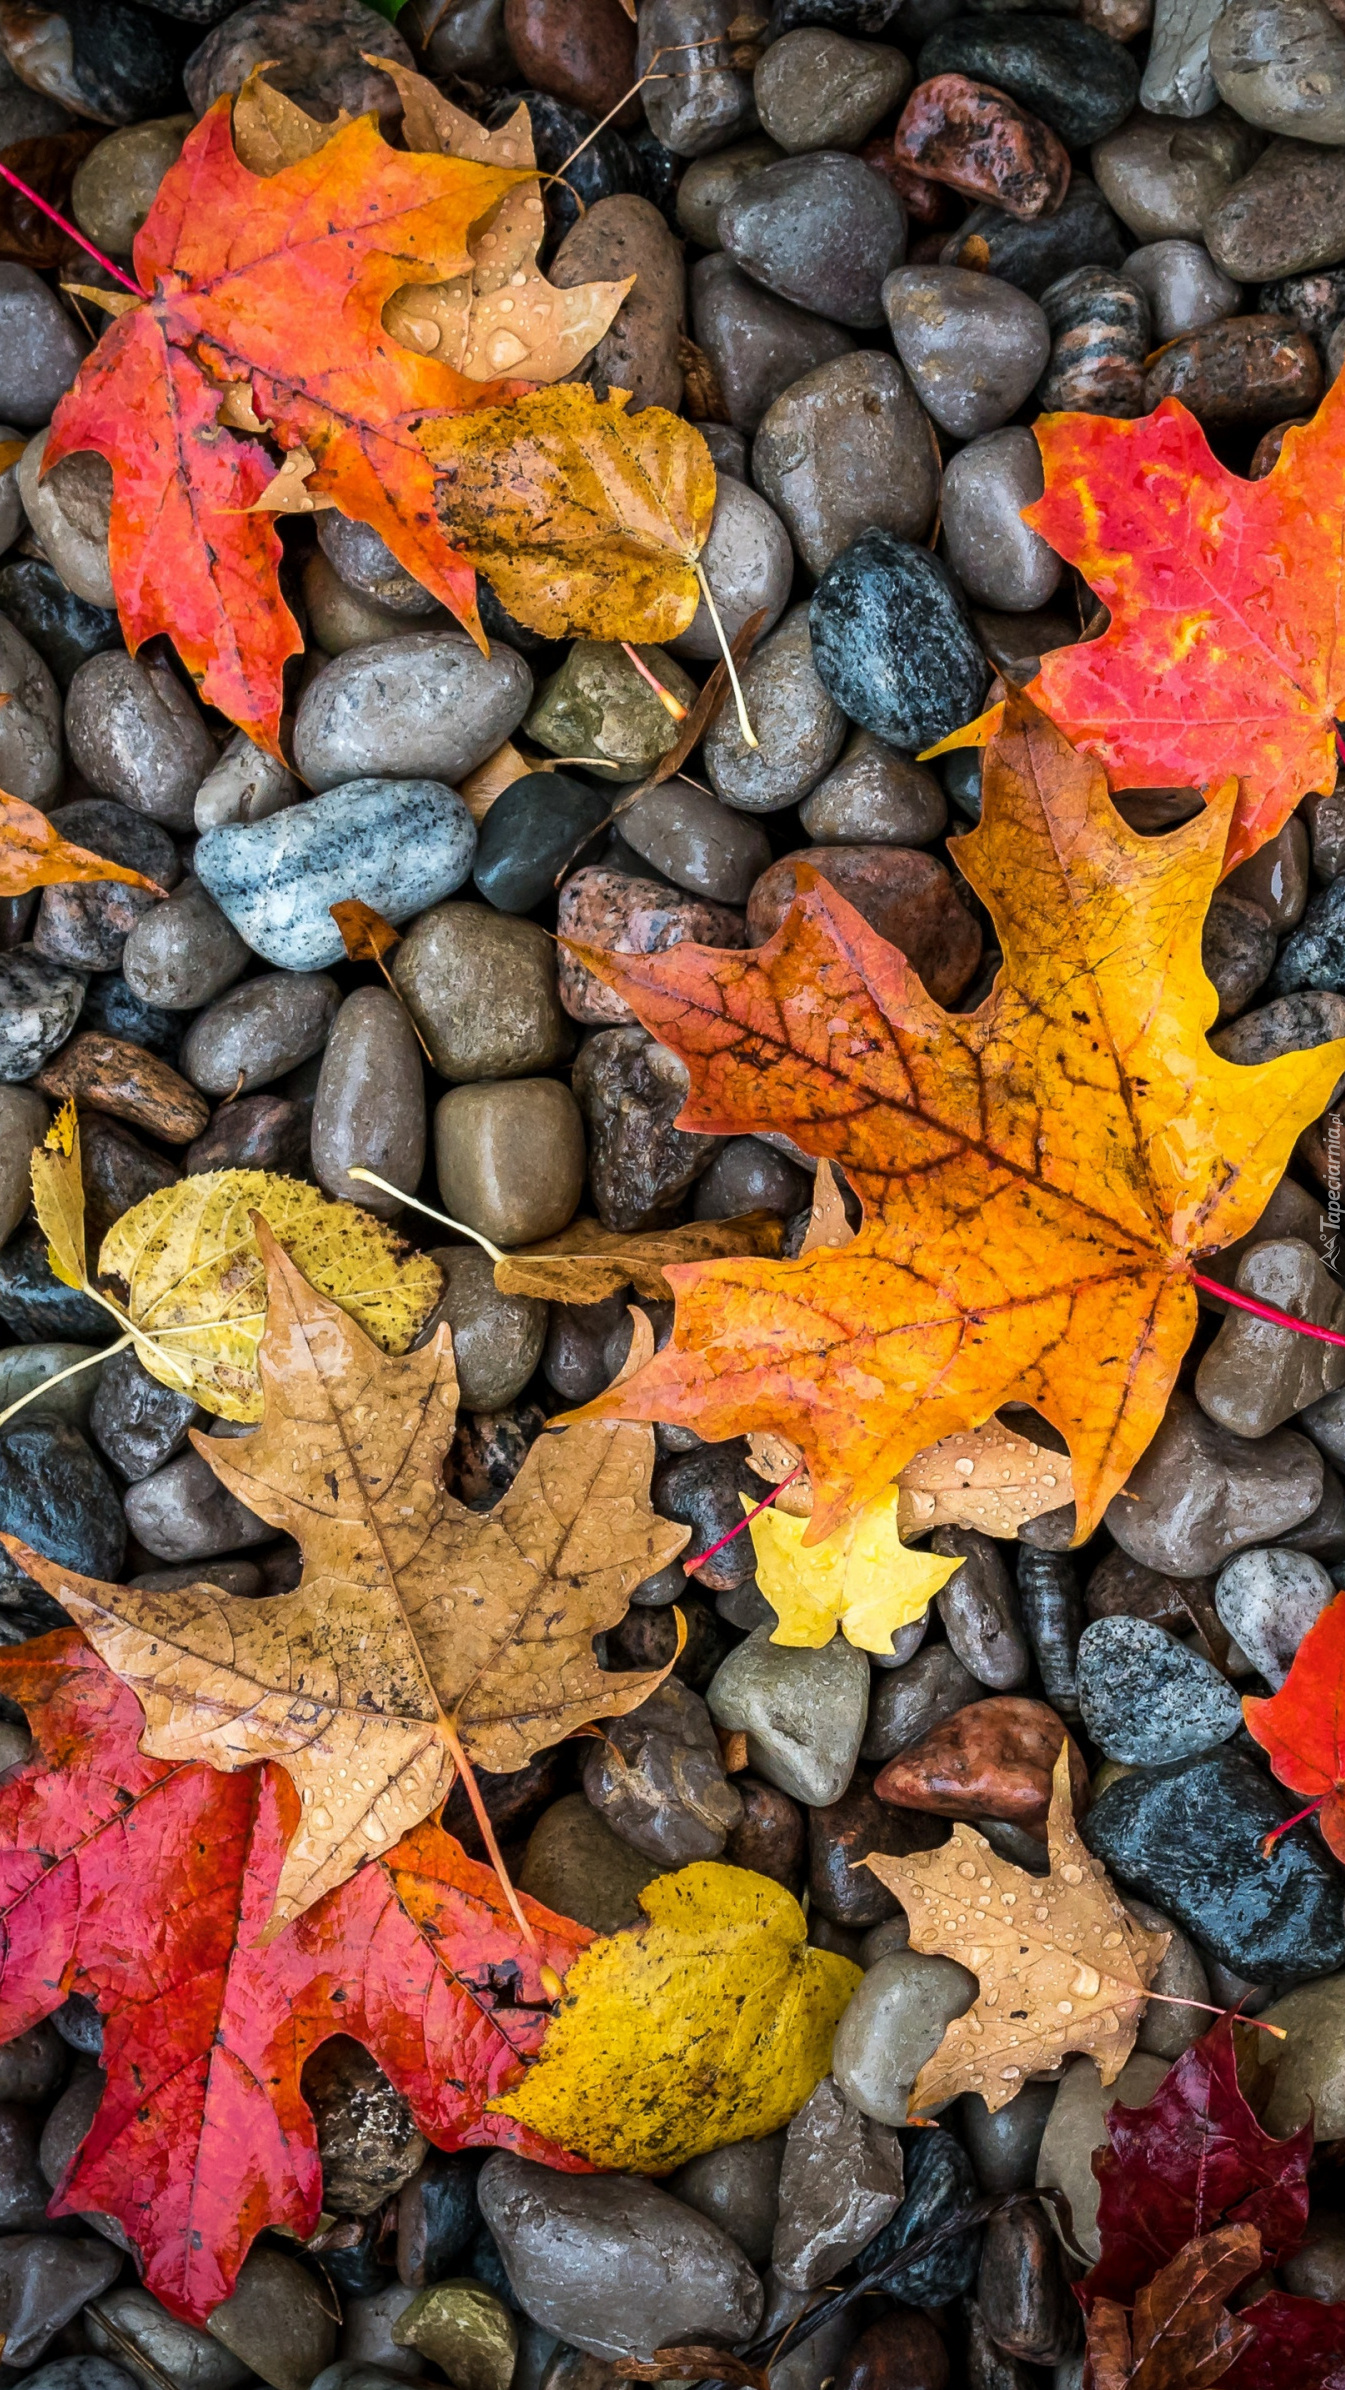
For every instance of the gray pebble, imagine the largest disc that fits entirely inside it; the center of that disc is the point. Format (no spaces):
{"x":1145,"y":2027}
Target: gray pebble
{"x":422,"y":707}
{"x":757,"y":342}
{"x":803,"y":1712}
{"x":23,"y":1366}
{"x":1256,"y":1375}
{"x":840,"y":2183}
{"x":701,"y":101}
{"x":894,"y":2023}
{"x":137,"y":1422}
{"x":367,"y":565}
{"x":340,"y":618}
{"x":86,"y":923}
{"x":909,"y":1700}
{"x":1282,"y":68}
{"x":509,"y":1156}
{"x":184,"y":953}
{"x":979,"y":1609}
{"x":136,"y":734}
{"x":973,"y":345}
{"x":1177,"y":79}
{"x":749,"y":565}
{"x":42,"y":347}
{"x":1146,"y":1698}
{"x":800,"y":729}
{"x":1003,"y":2148}
{"x":399,"y":845}
{"x":1198,"y":1494}
{"x":257,"y":1032}
{"x":640,"y":351}
{"x":821,"y":230}
{"x":245,"y":785}
{"x":709,"y":182}
{"x":1184,"y":287}
{"x":1268,"y":1601}
{"x":696,"y":842}
{"x":183,"y":1512}
{"x":39,"y":1006}
{"x":370,"y":1104}
{"x":997,"y":557}
{"x":844,"y":448}
{"x":875,"y":796}
{"x":657,"y":1778}
{"x":747,"y":1176}
{"x":1286,"y":216}
{"x":630,"y":1091}
{"x":1163,"y":177}
{"x":738,"y":2188}
{"x":189,"y":2359}
{"x":70,"y":509}
{"x":816,"y":90}
{"x":481,"y":988}
{"x":497,"y":1339}
{"x":30,"y":723}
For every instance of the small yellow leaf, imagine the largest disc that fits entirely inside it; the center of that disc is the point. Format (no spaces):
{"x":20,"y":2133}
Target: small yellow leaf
{"x":58,"y":1197}
{"x":715,"y":2019}
{"x":863,"y":1578}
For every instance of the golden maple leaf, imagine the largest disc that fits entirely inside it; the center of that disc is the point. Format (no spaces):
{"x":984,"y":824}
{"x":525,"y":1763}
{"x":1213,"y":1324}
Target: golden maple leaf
{"x":863,"y":1579}
{"x":419,"y":1629}
{"x":1062,"y":1966}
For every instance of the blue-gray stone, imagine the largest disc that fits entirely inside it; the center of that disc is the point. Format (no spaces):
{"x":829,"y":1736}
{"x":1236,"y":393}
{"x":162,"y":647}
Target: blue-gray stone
{"x":1190,"y":1840}
{"x":56,"y":1495}
{"x":25,"y":1366}
{"x":940,"y":2179}
{"x":39,"y":1006}
{"x":892,"y":645}
{"x":37,"y":1307}
{"x":1145,"y":1698}
{"x":1313,"y":955}
{"x":398,"y":845}
{"x":1078,"y":81}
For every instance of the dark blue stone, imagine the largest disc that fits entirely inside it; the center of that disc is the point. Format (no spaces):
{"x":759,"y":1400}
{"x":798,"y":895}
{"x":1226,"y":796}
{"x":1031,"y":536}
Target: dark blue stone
{"x":64,"y":630}
{"x":125,"y":63}
{"x":960,"y":773}
{"x":892,"y":644}
{"x":485,"y":2262}
{"x":1083,"y":232}
{"x":533,"y":831}
{"x":940,"y":2179}
{"x":115,"y":1009}
{"x":606,"y":166}
{"x":56,"y":1495}
{"x":1313,"y":955}
{"x":1077,"y":80}
{"x":861,"y":20}
{"x":1189,"y":1838}
{"x":37,"y":1308}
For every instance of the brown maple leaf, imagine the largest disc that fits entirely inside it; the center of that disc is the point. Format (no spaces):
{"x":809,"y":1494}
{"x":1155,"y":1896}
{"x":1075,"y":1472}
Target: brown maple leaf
{"x":1181,"y":2335}
{"x":420,"y":1630}
{"x":1061,"y":1965}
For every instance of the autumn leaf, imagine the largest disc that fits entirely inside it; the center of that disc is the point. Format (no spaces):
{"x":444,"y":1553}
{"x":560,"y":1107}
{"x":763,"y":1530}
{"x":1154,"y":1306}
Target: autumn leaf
{"x":366,"y":935}
{"x":273,"y":286}
{"x":1223,"y":654}
{"x":1062,"y":1966}
{"x":419,"y":1629}
{"x":984,"y":1477}
{"x":1181,"y":2335}
{"x":1080,"y":1119}
{"x":862,"y":1579}
{"x":585,"y":520}
{"x":714,"y":2019}
{"x":34,"y":855}
{"x":588,"y":1262}
{"x":1302,"y":1727}
{"x":142,"y":1886}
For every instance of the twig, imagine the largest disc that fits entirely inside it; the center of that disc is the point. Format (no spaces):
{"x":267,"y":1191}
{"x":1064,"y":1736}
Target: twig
{"x":417,"y":1206}
{"x":1265,"y":1311}
{"x":746,"y":1520}
{"x":670,"y":704}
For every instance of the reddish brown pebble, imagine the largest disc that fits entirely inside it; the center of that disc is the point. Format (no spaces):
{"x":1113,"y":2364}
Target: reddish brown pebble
{"x":1251,"y":369}
{"x":581,"y":50}
{"x":118,"y":1171}
{"x":628,"y":916}
{"x":979,"y":142}
{"x":925,"y":202}
{"x":126,"y":1081}
{"x":1266,"y":454}
{"x":259,"y":1132}
{"x":771,"y":1838}
{"x":992,"y":1759}
{"x":840,"y":1838}
{"x":902,"y":2351}
{"x":906,"y":895}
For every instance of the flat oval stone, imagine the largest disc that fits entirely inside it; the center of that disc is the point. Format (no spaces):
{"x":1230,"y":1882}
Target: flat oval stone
{"x":749,"y":1176}
{"x":988,"y":1759}
{"x":875,"y":796}
{"x":1251,"y":369}
{"x":1146,"y":1698}
{"x":1079,"y":82}
{"x":892,"y":645}
{"x":979,"y":142}
{"x":906,"y":896}
{"x":972,"y":344}
{"x":370,"y":1105}
{"x":481,"y":988}
{"x":816,"y":90}
{"x":820,"y":230}
{"x":427,"y":706}
{"x":184,"y":1512}
{"x":1191,"y":1840}
{"x":535,"y":829}
{"x":1083,"y":231}
{"x":749,"y":565}
{"x":757,"y":343}
{"x":800,"y":729}
{"x":1282,"y":68}
{"x":137,"y":735}
{"x":400,"y":845}
{"x":184,"y":953}
{"x":997,"y":557}
{"x":844,"y":450}
{"x":1286,"y":216}
{"x":1184,"y":287}
{"x":1200,"y":1493}
{"x":30,"y":723}
{"x":577,"y":1866}
{"x":257,"y":1032}
{"x":584,"y":54}
{"x":69,"y":509}
{"x":1269,"y":1601}
{"x":510,"y":1157}
{"x":695,"y":842}
{"x":39,"y":1006}
{"x":893,"y":2025}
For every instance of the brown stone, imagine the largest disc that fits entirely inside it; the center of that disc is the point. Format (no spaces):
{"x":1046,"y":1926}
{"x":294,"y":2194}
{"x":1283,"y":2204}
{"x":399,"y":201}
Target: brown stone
{"x":981,"y":143}
{"x":902,"y":2351}
{"x":581,"y":50}
{"x":771,"y":1838}
{"x":907,"y":896}
{"x":1021,"y":2290}
{"x":621,"y":236}
{"x":842,"y":1835}
{"x":1266,"y":454}
{"x":259,"y":1132}
{"x":630,"y":916}
{"x":126,"y":1081}
{"x":1123,"y":1588}
{"x":992,"y":1759}
{"x":118,"y":1171}
{"x":488,"y":1451}
{"x":1251,"y":369}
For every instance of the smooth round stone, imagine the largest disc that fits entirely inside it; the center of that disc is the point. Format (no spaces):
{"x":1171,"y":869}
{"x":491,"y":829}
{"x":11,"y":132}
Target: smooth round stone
{"x":1309,"y":2083}
{"x":1237,"y":950}
{"x":972,"y":344}
{"x":136,"y":734}
{"x":30,"y":723}
{"x":367,"y":565}
{"x":1269,"y":1601}
{"x":24,"y":1366}
{"x":846,"y":449}
{"x":536,"y":829}
{"x":1285,"y":217}
{"x":1166,"y":2030}
{"x":584,"y":54}
{"x":41,"y":347}
{"x":1099,"y":340}
{"x":425,"y":706}
{"x":1282,"y":68}
{"x":183,"y":1512}
{"x":340,"y":618}
{"x":874,"y":796}
{"x":1164,"y":176}
{"x":246,"y":785}
{"x":278,"y":2321}
{"x":57,"y":1496}
{"x":821,"y":230}
{"x":399,"y":845}
{"x":892,"y":645}
{"x":155,"y":2347}
{"x":893,"y":2025}
{"x":24,"y":1119}
{"x":640,"y":351}
{"x":184,"y":953}
{"x":998,"y":559}
{"x":138,"y":1423}
{"x":469,"y":41}
{"x":802,"y":1712}
{"x":69,"y":509}
{"x":598,"y":706}
{"x":11,"y":504}
{"x":700,"y":102}
{"x":115,"y":186}
{"x":749,"y":565}
{"x":577,"y":1866}
{"x":86,"y":923}
{"x":319,"y":48}
{"x":510,"y":1157}
{"x":1200,"y":1493}
{"x":696,"y":842}
{"x":1183,"y":286}
{"x":39,"y":1006}
{"x":1076,"y":2128}
{"x":370,"y":1107}
{"x":64,"y":631}
{"x":758,"y":344}
{"x":709,"y":183}
{"x":1251,"y":369}
{"x":257,"y":1032}
{"x":497,"y":1339}
{"x":737,"y":2187}
{"x":747,"y":1176}
{"x":800,"y":729}
{"x":907,"y":897}
{"x":481,"y":988}
{"x":1076,"y":80}
{"x":1003,"y":2148}
{"x":1146,"y":1698}
{"x":815,"y":90}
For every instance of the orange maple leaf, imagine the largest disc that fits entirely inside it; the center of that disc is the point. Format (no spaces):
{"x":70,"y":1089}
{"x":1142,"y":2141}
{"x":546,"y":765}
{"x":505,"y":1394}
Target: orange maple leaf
{"x":276,"y":283}
{"x":34,"y":855}
{"x":1224,"y":652}
{"x":1035,"y":1176}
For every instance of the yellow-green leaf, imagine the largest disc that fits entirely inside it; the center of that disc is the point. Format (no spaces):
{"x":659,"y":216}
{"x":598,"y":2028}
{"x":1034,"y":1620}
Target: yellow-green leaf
{"x":714,"y":2020}
{"x":862,"y":1579}
{"x":58,"y":1197}
{"x":193,"y":1277}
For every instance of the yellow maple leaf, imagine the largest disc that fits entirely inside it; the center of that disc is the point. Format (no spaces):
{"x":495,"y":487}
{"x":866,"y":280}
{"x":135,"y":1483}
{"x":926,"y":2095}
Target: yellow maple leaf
{"x":862,"y":1579}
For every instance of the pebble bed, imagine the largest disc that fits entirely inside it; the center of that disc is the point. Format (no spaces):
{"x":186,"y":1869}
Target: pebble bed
{"x":873,"y":238}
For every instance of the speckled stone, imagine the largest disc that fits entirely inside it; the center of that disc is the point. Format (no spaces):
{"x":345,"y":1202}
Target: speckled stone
{"x":1286,"y":216}
{"x":975,"y":139}
{"x":599,"y":706}
{"x":114,"y":186}
{"x":709,"y":182}
{"x":802,"y":1712}
{"x":424,"y":706}
{"x":800,"y":729}
{"x":184,"y":953}
{"x":892,"y":644}
{"x":1146,"y":1698}
{"x":630,"y":1090}
{"x":39,"y":1006}
{"x":623,"y":915}
{"x":42,"y":347}
{"x":846,"y":449}
{"x":136,"y":734}
{"x":481,"y":988}
{"x":814,"y":89}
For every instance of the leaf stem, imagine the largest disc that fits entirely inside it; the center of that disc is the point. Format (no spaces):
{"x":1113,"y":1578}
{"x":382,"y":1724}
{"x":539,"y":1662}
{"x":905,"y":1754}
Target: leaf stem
{"x":1265,"y":1311}
{"x":90,"y":1361}
{"x":72,"y":230}
{"x":670,"y":704}
{"x":653,"y":73}
{"x":417,"y":1206}
{"x":750,"y":738}
{"x":746,"y":1521}
{"x":487,"y":1831}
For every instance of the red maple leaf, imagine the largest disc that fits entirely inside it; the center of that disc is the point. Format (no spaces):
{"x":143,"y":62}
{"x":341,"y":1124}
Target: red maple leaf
{"x":145,"y":1886}
{"x":1302,"y":1727}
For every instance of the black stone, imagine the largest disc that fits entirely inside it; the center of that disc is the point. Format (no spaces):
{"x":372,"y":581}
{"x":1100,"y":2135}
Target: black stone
{"x":64,"y":630}
{"x":124,"y":63}
{"x":533,"y":831}
{"x":1315,"y":301}
{"x":351,"y":2260}
{"x":893,"y":645}
{"x":437,"y":2216}
{"x":862,"y":20}
{"x":138,"y":1423}
{"x":1189,"y":1838}
{"x":660,"y":172}
{"x":702,"y":1490}
{"x":940,"y":2179}
{"x":1077,"y":80}
{"x":1313,"y":955}
{"x":79,"y":2024}
{"x":37,"y":1308}
{"x":606,"y":166}
{"x":648,"y":1639}
{"x":486,"y":2263}
{"x":114,"y":1008}
{"x":1053,"y":1619}
{"x":960,"y":773}
{"x":1083,"y":232}
{"x":545,"y":655}
{"x":56,"y":1495}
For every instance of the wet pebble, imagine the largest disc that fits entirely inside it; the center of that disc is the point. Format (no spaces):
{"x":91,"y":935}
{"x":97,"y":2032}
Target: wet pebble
{"x":980,"y":1611}
{"x":622,"y":915}
{"x":738,"y":2188}
{"x":183,"y":1512}
{"x":939,"y":2182}
{"x":1079,"y":82}
{"x":1255,"y":1376}
{"x":817,"y":90}
{"x":481,"y":989}
{"x":820,"y":230}
{"x":989,"y":1759}
{"x":1200,"y":1493}
{"x":44,"y":2282}
{"x":892,"y":644}
{"x":975,"y":139}
{"x":999,"y":560}
{"x":509,"y":1157}
{"x":1076,"y":2128}
{"x":24,"y":1119}
{"x":1250,"y":369}
{"x":1286,"y":215}
{"x":183,"y":954}
{"x":536,"y":828}
{"x":698,"y":844}
{"x":802,"y":1712}
{"x":70,"y":508}
{"x":630,"y":1090}
{"x":800,"y":729}
{"x":759,"y":344}
{"x":972,"y":344}
{"x":1269,"y":1601}
{"x":255,"y":1033}
{"x":620,"y":237}
{"x":136,"y":734}
{"x":115,"y":186}
{"x":839,"y":2183}
{"x":30,"y":723}
{"x":1034,"y":254}
{"x":705,"y":101}
{"x":1184,"y":287}
{"x":1146,"y":1698}
{"x":86,"y":924}
{"x":906,"y":896}
{"x":1099,"y":340}
{"x":1282,"y":68}
{"x":497,"y":1338}
{"x":58,"y":1497}
{"x":658,"y":1779}
{"x":136,"y":1422}
{"x":749,"y":564}
{"x":42,"y":347}
{"x":598,"y":706}
{"x":127,"y":1082}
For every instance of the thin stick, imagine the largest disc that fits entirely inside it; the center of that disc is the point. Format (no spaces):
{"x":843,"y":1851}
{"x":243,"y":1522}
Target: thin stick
{"x":1265,"y":1311}
{"x":90,"y":1361}
{"x":72,"y":229}
{"x":1211,"y":2007}
{"x":417,"y":1206}
{"x":670,"y":704}
{"x":1268,"y":1841}
{"x":750,"y":738}
{"x":652,"y":74}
